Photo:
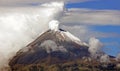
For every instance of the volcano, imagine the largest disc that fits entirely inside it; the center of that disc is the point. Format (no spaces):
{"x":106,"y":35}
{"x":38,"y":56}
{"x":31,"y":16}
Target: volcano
{"x":52,"y":47}
{"x":57,"y":50}
{"x":59,"y":45}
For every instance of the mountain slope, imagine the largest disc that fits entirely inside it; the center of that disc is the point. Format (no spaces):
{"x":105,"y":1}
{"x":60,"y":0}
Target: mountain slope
{"x":51,"y":47}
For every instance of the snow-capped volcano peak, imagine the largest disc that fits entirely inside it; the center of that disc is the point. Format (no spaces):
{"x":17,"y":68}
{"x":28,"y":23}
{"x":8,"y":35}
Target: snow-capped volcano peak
{"x":54,"y":25}
{"x":55,"y":43}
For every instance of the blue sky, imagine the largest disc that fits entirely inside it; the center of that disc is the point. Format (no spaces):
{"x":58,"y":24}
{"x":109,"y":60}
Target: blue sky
{"x":98,"y":4}
{"x":111,"y":43}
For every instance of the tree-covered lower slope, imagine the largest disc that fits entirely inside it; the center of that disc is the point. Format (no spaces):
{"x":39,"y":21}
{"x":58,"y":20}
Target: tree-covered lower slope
{"x":77,"y":65}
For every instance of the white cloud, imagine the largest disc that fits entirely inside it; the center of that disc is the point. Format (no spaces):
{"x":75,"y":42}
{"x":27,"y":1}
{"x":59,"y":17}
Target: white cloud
{"x":103,"y":34}
{"x":94,"y":46}
{"x":75,"y":1}
{"x":15,"y":2}
{"x":91,"y":17}
{"x":19,"y":26}
{"x":104,"y":58}
{"x":118,"y":57}
{"x":24,"y":2}
{"x":51,"y":46}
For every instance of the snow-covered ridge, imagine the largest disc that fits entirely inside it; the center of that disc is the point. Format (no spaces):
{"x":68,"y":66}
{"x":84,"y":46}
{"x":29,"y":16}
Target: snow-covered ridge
{"x":75,"y":39}
{"x":72,"y":37}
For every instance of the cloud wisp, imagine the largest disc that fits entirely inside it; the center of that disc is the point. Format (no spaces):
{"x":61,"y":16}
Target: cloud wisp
{"x":27,"y":2}
{"x":91,"y":17}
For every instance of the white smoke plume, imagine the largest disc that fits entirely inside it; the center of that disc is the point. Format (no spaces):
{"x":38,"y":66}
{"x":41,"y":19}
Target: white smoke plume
{"x":104,"y":58}
{"x":19,"y":26}
{"x":94,"y":47}
{"x":118,"y":57}
{"x":54,"y":25}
